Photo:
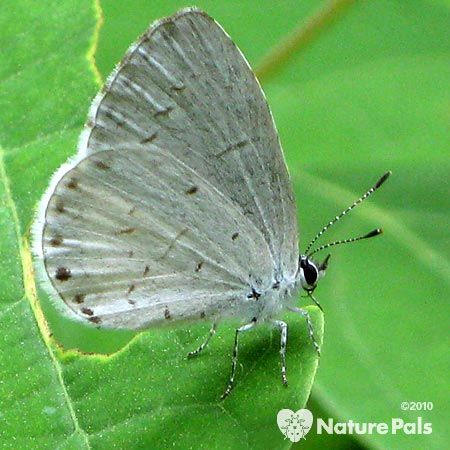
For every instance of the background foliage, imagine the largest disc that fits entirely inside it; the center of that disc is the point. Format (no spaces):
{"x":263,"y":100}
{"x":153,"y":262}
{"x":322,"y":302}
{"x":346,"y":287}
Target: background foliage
{"x":368,"y":94}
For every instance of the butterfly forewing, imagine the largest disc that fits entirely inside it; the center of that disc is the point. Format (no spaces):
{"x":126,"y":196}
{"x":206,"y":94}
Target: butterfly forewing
{"x":185,"y":88}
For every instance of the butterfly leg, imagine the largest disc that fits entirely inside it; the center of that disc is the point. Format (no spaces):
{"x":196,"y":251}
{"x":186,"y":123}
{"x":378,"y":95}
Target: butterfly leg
{"x":307,"y":317}
{"x":212,"y":332}
{"x":282,"y":326}
{"x":241,"y":329}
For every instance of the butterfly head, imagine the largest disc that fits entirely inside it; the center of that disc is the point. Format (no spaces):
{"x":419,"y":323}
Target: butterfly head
{"x":311,"y":271}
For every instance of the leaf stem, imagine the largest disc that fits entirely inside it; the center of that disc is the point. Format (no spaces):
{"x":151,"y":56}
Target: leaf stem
{"x":300,"y":37}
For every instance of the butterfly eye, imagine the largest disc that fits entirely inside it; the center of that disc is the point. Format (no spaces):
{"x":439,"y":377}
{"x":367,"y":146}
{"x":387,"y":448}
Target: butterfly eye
{"x":310,"y":272}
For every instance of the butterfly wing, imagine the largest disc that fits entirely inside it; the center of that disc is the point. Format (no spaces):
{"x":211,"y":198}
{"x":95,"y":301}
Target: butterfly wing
{"x":186,"y":88}
{"x":134,"y":238}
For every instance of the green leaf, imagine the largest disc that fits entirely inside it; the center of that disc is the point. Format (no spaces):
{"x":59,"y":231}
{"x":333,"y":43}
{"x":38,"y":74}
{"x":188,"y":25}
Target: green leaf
{"x":370,"y":93}
{"x":144,"y":394}
{"x":149,"y":394}
{"x":34,"y":407}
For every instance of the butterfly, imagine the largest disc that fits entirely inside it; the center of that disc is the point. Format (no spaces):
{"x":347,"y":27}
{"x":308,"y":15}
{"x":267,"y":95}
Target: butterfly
{"x":178,"y":204}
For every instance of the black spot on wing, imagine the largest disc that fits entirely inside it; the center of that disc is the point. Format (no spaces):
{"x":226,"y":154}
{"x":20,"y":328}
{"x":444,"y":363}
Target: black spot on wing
{"x":62,"y":273}
{"x":59,"y":206}
{"x":79,"y":298}
{"x":56,"y":241}
{"x":127,"y":230}
{"x":191,"y":190}
{"x":95,"y":319}
{"x":87,"y":311}
{"x":255,"y":294}
{"x":101,"y":165}
{"x":149,"y":138}
{"x":131,"y":288}
{"x":72,"y":183}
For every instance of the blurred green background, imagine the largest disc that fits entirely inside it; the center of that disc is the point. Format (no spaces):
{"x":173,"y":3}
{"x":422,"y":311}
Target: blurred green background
{"x":368,"y":93}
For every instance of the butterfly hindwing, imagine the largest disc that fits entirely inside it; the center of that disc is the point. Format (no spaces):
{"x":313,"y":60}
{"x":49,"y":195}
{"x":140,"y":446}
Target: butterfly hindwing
{"x":133,"y":238}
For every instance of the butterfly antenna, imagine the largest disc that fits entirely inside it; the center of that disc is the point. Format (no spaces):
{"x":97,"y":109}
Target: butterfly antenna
{"x":373,"y":233}
{"x":343,"y":213}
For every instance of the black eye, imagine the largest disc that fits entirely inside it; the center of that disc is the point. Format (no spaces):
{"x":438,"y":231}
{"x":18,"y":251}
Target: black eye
{"x":310,"y":272}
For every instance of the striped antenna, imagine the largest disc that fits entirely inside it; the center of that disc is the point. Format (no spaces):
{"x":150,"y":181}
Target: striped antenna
{"x":373,"y":233}
{"x":343,"y":213}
